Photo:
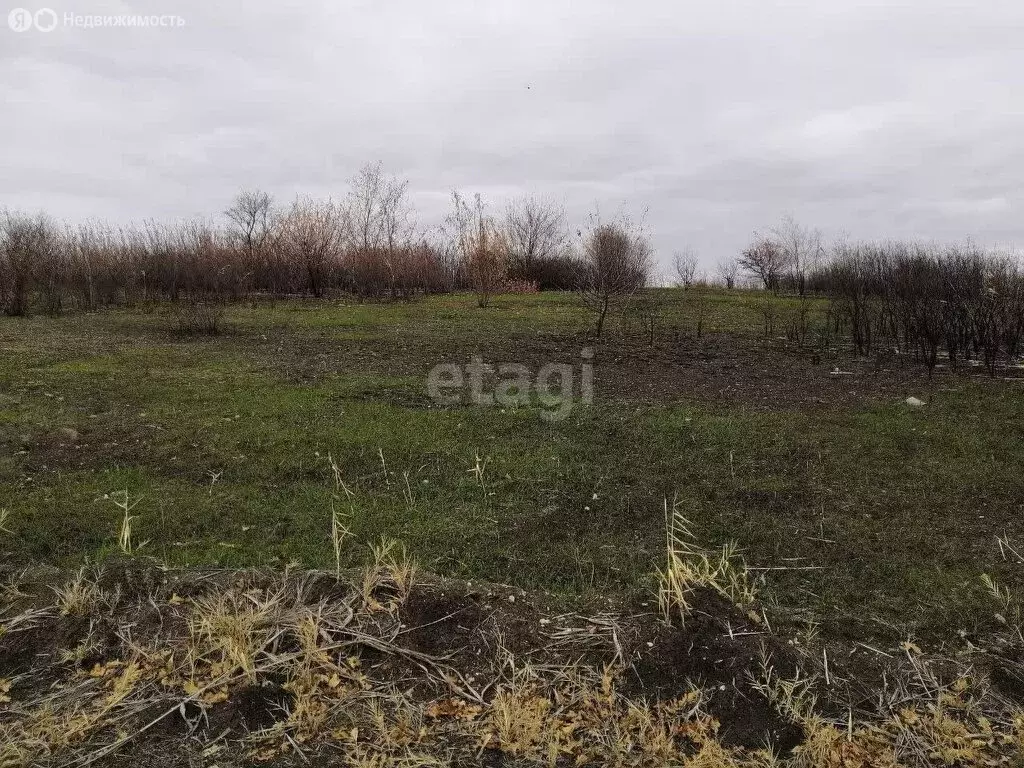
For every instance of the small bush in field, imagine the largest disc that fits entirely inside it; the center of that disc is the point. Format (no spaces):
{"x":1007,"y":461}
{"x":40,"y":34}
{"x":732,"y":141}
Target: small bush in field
{"x":201,"y":318}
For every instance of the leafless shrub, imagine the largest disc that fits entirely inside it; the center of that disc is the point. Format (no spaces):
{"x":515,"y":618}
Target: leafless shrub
{"x":927,"y":301}
{"x":209,"y":267}
{"x":481,"y":246}
{"x":764,"y":259}
{"x":727,"y":271}
{"x":767,"y":307}
{"x":196,"y":316}
{"x":700,"y":304}
{"x":538,"y":249}
{"x":28,"y":258}
{"x":798,"y":321}
{"x":555,"y":273}
{"x":616,"y":263}
{"x":648,"y":307}
{"x":92,"y":248}
{"x":685,"y":264}
{"x":311,"y":233}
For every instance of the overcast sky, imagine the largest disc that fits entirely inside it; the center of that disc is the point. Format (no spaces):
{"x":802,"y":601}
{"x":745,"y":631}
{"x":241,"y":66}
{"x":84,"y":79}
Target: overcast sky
{"x":878,"y":119}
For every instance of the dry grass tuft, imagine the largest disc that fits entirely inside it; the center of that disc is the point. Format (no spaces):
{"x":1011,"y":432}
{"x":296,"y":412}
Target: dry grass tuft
{"x":689,"y":567}
{"x":79,"y":597}
{"x":231,"y":631}
{"x":390,"y":575}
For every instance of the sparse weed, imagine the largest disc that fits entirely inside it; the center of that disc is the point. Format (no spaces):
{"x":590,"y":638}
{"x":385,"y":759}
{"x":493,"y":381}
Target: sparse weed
{"x":278,"y":636}
{"x":478,"y":471}
{"x":1009,"y":609}
{"x":688,"y":567}
{"x":410,"y":500}
{"x":384,"y":467}
{"x":1007,"y":550}
{"x":201,"y":317}
{"x":125,"y":504}
{"x":368,"y":585}
{"x":391,"y":558}
{"x":78,"y":597}
{"x":793,"y":697}
{"x":520,"y":722}
{"x":339,"y":533}
{"x":391,"y":569}
{"x":1000,"y":594}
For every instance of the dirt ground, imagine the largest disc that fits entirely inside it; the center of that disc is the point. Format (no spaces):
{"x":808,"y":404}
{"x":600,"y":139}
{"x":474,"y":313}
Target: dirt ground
{"x":447,"y":650}
{"x":717,"y":368}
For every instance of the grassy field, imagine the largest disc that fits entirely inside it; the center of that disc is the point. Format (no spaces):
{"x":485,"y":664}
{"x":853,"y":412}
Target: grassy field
{"x":873,"y":517}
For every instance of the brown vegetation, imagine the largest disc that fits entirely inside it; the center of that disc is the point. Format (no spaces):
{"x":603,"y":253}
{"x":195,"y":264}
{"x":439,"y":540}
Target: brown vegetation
{"x":616,"y":264}
{"x":367,"y":245}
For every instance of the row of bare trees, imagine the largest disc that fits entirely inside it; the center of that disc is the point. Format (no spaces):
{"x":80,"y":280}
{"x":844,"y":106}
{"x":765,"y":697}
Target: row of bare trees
{"x":954,"y":302}
{"x":367,"y":244}
{"x":610,"y":263}
{"x":686,"y":268}
{"x":958,"y":303}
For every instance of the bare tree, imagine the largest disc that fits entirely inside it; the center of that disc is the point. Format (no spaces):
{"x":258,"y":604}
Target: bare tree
{"x":534,"y":230}
{"x":210,"y":274}
{"x":801,"y":247}
{"x":443,"y":240}
{"x":685,"y":264}
{"x":481,"y":246}
{"x":51,"y":265}
{"x":382,"y":228}
{"x":250,"y":219}
{"x":728,"y":269}
{"x":616,"y":263}
{"x":765,"y":259}
{"x":92,"y":249}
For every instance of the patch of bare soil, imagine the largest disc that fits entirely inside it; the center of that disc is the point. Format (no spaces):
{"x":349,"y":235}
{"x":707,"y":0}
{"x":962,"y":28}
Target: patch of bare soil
{"x":719,"y":368}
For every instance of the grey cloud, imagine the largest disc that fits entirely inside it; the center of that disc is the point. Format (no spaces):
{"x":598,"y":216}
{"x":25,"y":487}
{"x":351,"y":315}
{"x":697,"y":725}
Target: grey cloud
{"x":877,"y":119}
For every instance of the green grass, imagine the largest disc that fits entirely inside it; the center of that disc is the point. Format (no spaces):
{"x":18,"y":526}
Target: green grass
{"x":872,"y":516}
